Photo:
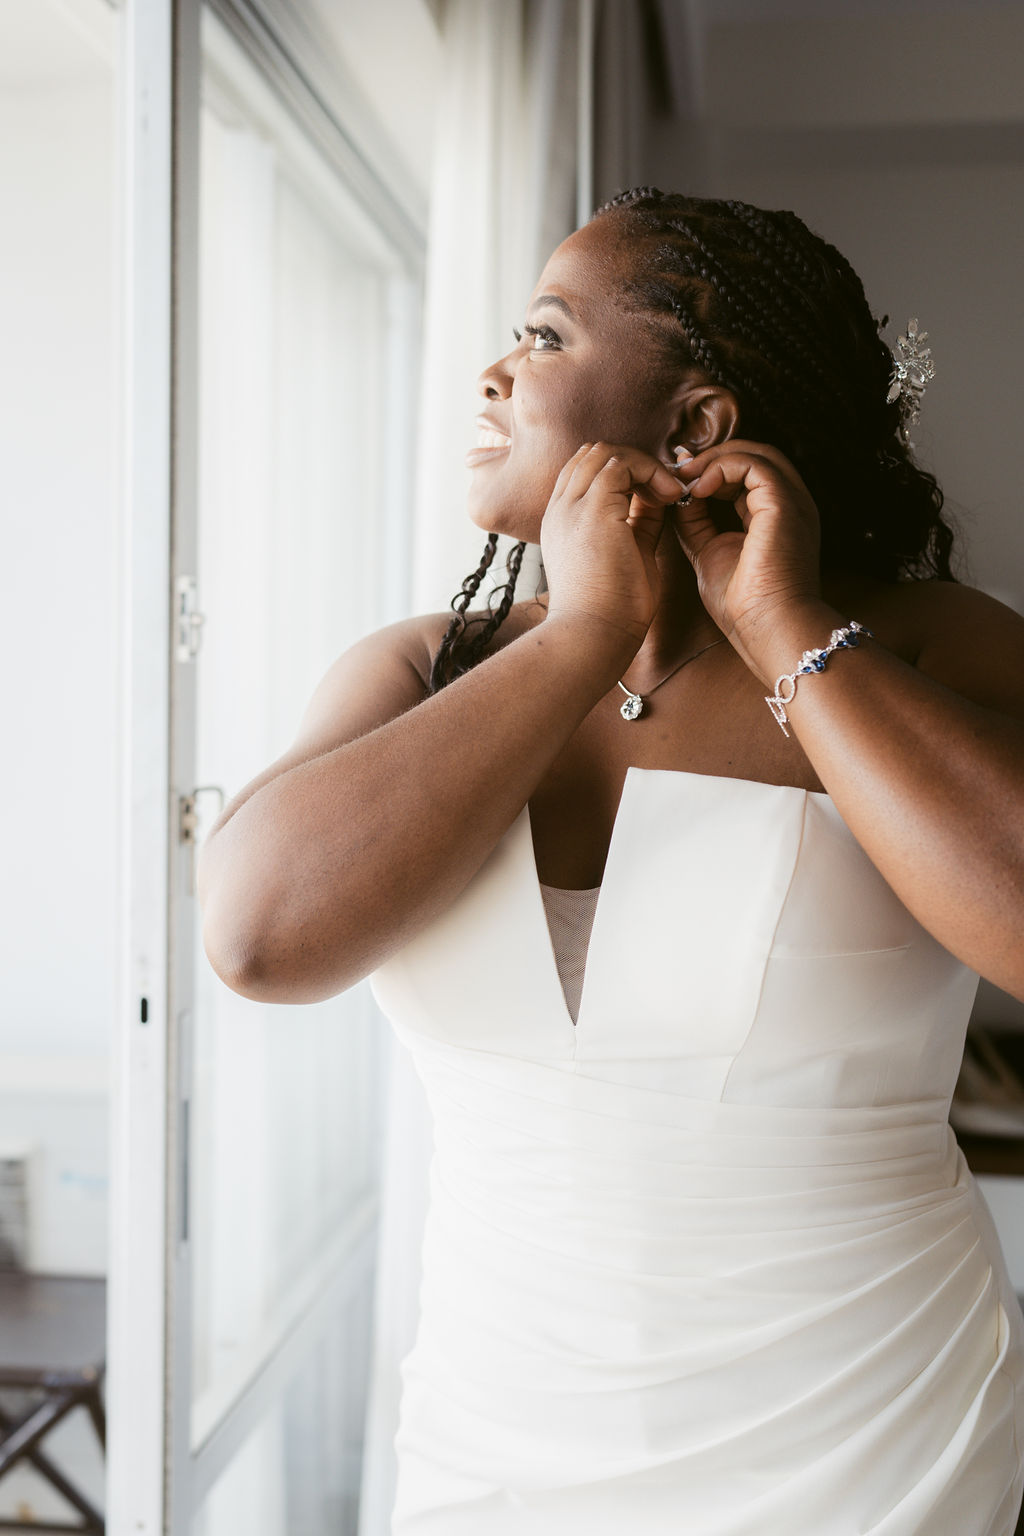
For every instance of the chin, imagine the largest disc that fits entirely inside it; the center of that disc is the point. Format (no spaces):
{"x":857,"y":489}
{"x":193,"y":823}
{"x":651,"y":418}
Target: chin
{"x":493,"y":517}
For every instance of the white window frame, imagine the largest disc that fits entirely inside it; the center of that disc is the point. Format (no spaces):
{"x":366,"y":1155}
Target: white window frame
{"x":155,"y":1482}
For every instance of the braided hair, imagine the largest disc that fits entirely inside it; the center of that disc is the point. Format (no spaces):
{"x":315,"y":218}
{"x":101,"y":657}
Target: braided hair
{"x":466,"y":640}
{"x":777,"y":316}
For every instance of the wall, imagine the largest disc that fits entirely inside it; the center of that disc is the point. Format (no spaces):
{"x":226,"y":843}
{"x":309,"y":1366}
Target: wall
{"x":59,"y":498}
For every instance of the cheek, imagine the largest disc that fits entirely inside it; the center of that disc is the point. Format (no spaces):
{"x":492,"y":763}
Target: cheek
{"x":581,"y":416}
{"x":639,"y":412}
{"x":614,"y":407}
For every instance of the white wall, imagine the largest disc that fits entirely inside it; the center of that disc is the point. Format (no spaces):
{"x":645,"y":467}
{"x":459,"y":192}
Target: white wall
{"x":53,"y":1113}
{"x":58,"y":496}
{"x":58,"y":490}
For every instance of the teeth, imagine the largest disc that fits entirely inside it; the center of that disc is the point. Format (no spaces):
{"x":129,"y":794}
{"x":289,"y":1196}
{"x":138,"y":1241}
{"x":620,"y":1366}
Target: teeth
{"x":488,"y":439}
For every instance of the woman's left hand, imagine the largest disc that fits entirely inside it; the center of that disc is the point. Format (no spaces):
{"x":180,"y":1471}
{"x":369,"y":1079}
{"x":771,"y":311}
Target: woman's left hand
{"x":924,"y":761}
{"x":747,"y":576}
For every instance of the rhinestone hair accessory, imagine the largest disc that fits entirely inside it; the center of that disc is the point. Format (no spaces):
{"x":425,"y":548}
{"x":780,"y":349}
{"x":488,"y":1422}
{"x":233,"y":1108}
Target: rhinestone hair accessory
{"x":912,"y":372}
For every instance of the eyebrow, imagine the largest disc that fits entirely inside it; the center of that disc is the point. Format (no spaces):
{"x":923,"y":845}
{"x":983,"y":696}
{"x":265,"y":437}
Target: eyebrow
{"x":551,"y":300}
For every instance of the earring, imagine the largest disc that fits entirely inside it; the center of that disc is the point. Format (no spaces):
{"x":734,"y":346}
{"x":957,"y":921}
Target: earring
{"x":683,"y":457}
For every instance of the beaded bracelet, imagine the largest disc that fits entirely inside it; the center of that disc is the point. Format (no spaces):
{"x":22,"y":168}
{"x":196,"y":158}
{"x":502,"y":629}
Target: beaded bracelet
{"x":845,"y":639}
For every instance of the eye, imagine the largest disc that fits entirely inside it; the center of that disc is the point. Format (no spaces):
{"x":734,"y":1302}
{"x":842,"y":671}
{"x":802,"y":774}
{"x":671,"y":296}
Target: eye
{"x":544,"y":338}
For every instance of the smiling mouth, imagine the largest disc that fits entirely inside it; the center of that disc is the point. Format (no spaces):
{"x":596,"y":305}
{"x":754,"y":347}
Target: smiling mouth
{"x":490,"y":444}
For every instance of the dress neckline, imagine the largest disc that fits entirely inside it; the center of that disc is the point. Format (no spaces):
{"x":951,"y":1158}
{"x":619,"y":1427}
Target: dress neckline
{"x":570,"y":918}
{"x":570,"y":890}
{"x":633,"y":775}
{"x":679,"y":773}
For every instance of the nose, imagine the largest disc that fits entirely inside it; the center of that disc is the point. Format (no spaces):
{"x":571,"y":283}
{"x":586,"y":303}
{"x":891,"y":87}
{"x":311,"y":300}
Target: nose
{"x":495,"y":383}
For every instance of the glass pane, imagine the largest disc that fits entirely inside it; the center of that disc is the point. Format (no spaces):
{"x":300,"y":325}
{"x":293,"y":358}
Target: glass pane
{"x":59,"y":392}
{"x":297,"y":1473}
{"x":296,"y":302}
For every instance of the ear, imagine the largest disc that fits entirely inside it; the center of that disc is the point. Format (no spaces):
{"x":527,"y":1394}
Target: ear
{"x":703,"y":415}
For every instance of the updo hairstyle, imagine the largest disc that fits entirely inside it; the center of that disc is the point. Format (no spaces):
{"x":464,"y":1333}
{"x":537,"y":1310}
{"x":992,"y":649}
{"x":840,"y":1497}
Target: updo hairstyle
{"x":778,"y":317}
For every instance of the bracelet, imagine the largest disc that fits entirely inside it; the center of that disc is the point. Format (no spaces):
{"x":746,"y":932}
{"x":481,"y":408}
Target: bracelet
{"x":845,"y":639}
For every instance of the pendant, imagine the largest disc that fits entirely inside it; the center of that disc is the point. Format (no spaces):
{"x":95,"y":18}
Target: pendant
{"x":633,"y":708}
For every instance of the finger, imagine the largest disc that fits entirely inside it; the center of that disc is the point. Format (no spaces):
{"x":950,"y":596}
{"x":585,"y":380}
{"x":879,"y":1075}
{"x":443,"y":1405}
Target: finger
{"x":694,"y":526}
{"x":570,"y":467}
{"x":624,"y":469}
{"x":604,"y":473}
{"x":736,"y":475}
{"x":647,"y":523}
{"x":766,"y":452}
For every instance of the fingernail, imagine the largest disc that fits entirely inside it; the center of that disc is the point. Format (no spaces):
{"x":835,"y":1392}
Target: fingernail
{"x":682,"y":453}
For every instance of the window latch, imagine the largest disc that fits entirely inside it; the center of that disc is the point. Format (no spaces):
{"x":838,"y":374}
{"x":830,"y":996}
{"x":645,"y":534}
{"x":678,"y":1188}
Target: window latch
{"x":188,"y":619}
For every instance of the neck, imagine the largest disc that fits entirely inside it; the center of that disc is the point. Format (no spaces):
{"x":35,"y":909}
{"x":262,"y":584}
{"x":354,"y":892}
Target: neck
{"x":681,"y":625}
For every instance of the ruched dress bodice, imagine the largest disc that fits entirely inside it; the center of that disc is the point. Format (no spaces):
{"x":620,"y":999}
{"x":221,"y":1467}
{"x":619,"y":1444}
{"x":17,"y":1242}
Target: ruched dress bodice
{"x":708,"y":1260}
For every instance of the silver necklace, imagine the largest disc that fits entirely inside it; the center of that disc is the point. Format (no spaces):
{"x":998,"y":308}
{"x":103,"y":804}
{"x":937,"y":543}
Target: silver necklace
{"x":633,"y":707}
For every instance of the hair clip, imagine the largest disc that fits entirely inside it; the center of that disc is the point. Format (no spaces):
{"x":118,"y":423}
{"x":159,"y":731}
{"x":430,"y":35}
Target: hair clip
{"x":912,"y":372}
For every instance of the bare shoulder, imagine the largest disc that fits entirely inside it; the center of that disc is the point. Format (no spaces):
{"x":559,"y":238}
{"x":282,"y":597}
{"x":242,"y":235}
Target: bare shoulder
{"x":956,"y":634}
{"x":374,"y":681}
{"x":388,"y":672}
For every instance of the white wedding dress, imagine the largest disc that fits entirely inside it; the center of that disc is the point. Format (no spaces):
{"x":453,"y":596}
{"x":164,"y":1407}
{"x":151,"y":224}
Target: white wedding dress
{"x":710,"y":1262}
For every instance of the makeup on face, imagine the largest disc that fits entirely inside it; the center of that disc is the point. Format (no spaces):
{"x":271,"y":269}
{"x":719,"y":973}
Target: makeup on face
{"x":581,"y":371}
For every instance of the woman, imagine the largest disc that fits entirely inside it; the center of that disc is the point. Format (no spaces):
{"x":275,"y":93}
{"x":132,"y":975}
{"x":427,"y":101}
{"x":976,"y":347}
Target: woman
{"x":708,"y":1259}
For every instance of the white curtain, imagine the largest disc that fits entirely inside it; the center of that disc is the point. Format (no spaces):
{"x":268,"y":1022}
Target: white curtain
{"x":504,"y":194}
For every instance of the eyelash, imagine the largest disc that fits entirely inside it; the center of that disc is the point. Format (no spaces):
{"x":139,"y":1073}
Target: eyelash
{"x":543,"y":332}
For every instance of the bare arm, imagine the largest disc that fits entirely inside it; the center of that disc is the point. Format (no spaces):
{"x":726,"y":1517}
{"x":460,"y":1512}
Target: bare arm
{"x":929,"y":780}
{"x":925,"y":763}
{"x":389,"y":802}
{"x":328,"y":866}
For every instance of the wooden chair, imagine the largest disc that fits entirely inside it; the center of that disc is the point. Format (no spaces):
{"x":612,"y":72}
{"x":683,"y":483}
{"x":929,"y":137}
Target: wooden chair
{"x":52,"y":1348}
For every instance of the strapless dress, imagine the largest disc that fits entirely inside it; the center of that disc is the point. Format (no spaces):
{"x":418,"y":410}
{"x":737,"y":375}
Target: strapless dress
{"x":708,"y":1261}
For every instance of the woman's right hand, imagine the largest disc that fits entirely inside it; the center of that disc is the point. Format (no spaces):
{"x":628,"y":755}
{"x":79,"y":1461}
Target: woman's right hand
{"x":389,"y":802}
{"x":600,"y":535}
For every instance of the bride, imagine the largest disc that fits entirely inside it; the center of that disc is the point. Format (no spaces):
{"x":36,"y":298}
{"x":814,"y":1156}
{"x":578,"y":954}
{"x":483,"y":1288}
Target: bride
{"x":676,"y":880}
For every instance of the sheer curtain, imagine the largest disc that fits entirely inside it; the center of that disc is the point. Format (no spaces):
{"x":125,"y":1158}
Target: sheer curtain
{"x":504,"y":194}
{"x":507,"y":183}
